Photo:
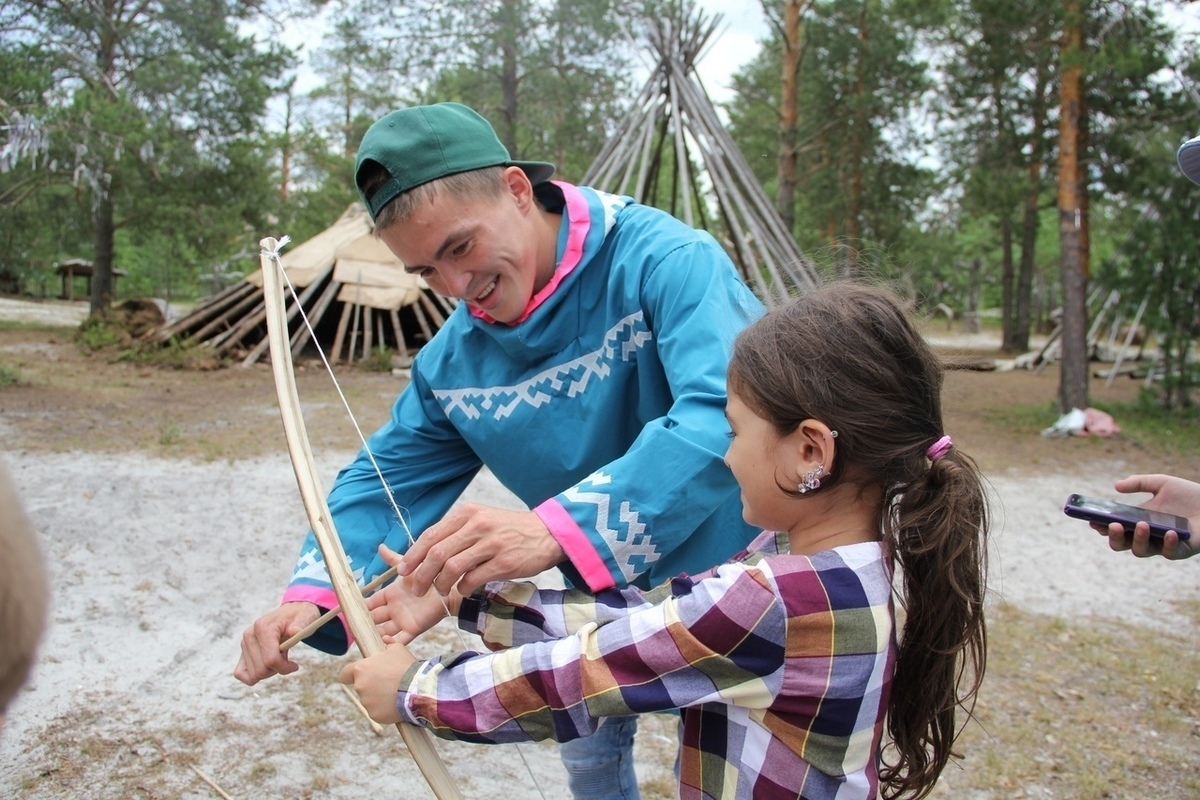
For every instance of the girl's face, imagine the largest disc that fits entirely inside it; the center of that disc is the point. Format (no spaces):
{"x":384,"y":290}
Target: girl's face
{"x":760,"y":460}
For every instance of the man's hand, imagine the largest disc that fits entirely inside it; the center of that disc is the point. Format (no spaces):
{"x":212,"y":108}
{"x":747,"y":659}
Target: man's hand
{"x":1170,"y":494}
{"x":377,"y":679}
{"x":261,"y":656}
{"x":474,"y":544}
{"x":399,"y":613}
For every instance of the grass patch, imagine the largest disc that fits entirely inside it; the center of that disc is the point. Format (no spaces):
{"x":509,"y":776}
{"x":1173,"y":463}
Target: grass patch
{"x":169,"y":433}
{"x":1144,"y":421}
{"x":380,"y":360}
{"x":32,"y":327}
{"x":171,"y":354}
{"x":97,"y":333}
{"x":1023,"y":420}
{"x":1082,"y":709}
{"x":9,"y":376}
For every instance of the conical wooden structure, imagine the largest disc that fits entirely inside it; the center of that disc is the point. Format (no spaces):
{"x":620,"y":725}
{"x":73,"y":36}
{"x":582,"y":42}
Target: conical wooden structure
{"x":672,"y":143}
{"x":354,"y":292}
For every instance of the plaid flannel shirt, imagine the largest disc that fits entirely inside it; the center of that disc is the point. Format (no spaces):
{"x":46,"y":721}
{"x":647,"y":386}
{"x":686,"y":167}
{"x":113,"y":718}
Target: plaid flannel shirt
{"x":781,"y":664}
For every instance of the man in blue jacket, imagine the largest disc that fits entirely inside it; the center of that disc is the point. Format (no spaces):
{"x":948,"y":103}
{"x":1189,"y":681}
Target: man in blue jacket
{"x":584,"y":365}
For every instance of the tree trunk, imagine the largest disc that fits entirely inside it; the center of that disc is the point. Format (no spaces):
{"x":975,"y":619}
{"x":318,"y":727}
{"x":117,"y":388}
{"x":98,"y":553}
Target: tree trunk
{"x":102,"y":256}
{"x":1031,"y":219}
{"x":102,"y":213}
{"x":285,"y":148}
{"x":508,"y":77}
{"x":859,"y":156}
{"x":1073,"y":379}
{"x":1085,"y":238}
{"x":1006,"y":283}
{"x":970,"y":317}
{"x":785,"y":200}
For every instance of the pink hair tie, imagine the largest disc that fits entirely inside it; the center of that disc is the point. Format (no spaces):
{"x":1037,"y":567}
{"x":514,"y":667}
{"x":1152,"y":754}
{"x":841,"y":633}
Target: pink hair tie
{"x":939,"y":448}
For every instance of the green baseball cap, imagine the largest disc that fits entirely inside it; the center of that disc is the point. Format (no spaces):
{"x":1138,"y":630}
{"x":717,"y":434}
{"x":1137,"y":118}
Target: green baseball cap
{"x":423,"y":143}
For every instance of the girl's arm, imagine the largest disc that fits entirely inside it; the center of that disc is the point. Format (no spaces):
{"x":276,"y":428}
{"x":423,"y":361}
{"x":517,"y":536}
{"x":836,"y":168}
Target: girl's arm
{"x":504,"y":614}
{"x":510,"y":614}
{"x":718,"y":640}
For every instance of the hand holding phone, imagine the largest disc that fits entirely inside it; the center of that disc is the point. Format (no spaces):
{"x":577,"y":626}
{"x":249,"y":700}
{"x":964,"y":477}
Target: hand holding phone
{"x":1104,"y":512}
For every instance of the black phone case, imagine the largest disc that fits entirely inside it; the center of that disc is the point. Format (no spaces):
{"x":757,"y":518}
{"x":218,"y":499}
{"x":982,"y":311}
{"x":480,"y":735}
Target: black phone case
{"x":1157,"y":530}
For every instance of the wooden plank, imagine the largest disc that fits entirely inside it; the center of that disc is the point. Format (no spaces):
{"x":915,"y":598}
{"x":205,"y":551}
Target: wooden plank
{"x":251,"y":322}
{"x":355,"y":322}
{"x":375,"y":273}
{"x":419,"y":313}
{"x":340,"y":338}
{"x":226,"y":320}
{"x":382,"y":298}
{"x":434,"y":313}
{"x":401,"y":342}
{"x":205,"y":312}
{"x":368,"y":331}
{"x":318,"y":312}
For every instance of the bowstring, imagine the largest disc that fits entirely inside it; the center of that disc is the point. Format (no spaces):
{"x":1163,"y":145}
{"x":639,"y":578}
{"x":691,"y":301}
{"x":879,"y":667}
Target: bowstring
{"x":387,"y":489}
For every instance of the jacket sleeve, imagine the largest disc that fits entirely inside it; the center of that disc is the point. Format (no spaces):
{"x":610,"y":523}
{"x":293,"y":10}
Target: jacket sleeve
{"x":426,"y":465}
{"x":512,"y":613}
{"x":626,"y":515}
{"x":722,"y":640}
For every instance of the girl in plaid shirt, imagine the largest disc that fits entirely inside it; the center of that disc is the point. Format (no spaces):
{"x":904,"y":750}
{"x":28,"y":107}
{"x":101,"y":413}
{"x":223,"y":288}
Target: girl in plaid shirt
{"x":784,"y":661}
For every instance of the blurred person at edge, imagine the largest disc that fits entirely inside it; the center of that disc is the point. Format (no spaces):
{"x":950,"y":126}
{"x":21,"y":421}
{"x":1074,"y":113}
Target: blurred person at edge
{"x":23,"y":595}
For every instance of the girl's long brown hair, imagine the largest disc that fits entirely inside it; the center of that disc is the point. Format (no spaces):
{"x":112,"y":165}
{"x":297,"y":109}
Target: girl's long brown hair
{"x":848,"y":355}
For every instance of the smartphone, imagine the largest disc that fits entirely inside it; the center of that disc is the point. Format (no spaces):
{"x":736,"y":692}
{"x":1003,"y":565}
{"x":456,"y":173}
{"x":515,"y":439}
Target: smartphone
{"x":1096,"y":509}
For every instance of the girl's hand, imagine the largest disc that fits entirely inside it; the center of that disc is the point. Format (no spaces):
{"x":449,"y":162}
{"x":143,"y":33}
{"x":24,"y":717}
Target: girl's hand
{"x":1170,"y":494}
{"x":377,"y":680}
{"x":399,"y":613}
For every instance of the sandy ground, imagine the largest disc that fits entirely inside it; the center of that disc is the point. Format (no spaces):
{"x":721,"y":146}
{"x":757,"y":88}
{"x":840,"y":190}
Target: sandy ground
{"x":49,"y":312}
{"x":158,"y":564}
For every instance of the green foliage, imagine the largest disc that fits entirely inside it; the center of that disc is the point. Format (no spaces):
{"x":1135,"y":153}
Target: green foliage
{"x":152,"y":151}
{"x":149,"y":129}
{"x":169,"y":434}
{"x":969,"y":89}
{"x":1146,"y":421}
{"x":9,"y":376}
{"x":96,"y":333}
{"x":359,"y":83}
{"x":552,"y":77}
{"x":1174,"y":431}
{"x":861,"y":184}
{"x":380,"y":359}
{"x":1158,"y":257}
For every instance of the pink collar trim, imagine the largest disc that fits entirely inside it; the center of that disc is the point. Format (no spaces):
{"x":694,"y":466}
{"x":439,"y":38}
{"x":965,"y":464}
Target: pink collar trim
{"x":579,"y":222}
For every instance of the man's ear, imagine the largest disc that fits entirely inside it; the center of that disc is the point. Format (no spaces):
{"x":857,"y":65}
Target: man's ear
{"x":517,"y":184}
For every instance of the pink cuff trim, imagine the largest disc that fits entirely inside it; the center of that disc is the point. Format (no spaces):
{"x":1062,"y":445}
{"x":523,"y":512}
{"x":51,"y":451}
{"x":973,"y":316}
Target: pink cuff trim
{"x":579,"y":222}
{"x":576,"y":545}
{"x":322,"y":596}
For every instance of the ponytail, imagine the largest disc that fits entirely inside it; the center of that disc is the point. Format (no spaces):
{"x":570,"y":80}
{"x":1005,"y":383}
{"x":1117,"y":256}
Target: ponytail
{"x":937,"y":531}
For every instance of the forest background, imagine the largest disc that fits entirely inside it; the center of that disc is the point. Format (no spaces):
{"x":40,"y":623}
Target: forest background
{"x":1015,"y":156}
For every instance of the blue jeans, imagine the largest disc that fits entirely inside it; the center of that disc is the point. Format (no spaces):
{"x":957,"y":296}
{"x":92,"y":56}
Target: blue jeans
{"x":600,"y":766}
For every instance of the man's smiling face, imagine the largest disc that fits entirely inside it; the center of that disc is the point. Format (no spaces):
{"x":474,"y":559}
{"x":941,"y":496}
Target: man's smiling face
{"x":482,"y":251}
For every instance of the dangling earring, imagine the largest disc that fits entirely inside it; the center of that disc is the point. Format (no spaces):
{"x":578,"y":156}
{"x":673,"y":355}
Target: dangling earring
{"x":812,"y":480}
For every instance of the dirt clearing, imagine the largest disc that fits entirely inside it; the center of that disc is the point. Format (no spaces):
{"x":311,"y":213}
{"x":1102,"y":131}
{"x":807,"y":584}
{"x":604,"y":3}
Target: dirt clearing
{"x":170,"y":518}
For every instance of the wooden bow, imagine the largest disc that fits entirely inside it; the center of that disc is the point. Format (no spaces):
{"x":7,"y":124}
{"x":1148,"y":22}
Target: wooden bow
{"x":348,"y":594}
